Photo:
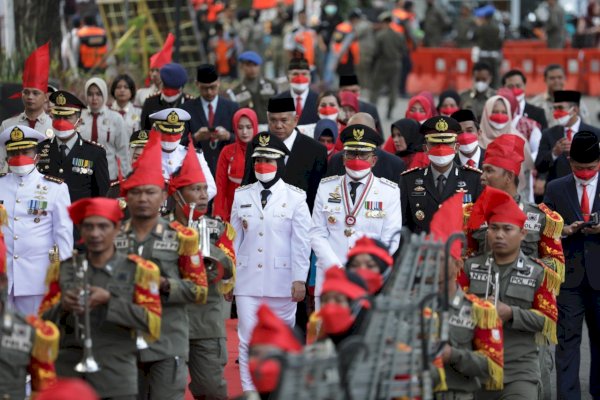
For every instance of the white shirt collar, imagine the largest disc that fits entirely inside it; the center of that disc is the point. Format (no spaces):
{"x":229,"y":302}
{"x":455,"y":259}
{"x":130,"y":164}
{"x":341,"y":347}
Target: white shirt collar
{"x":70,"y":143}
{"x":591,"y":183}
{"x":575,"y":127}
{"x":476,"y":156}
{"x":522,"y":107}
{"x":213,"y":103}
{"x":303,"y":96}
{"x":289,"y":142}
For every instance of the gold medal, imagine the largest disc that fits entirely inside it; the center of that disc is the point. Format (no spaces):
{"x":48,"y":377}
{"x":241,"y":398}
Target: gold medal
{"x":420,"y":215}
{"x":331,"y":219}
{"x":348,"y":232}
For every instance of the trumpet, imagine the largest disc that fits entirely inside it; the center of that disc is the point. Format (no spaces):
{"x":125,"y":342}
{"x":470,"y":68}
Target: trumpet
{"x":140,"y":342}
{"x":495,"y":284}
{"x":87,"y":364}
{"x":202,"y":225}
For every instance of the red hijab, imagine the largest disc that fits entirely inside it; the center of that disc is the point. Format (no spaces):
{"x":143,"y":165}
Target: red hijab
{"x":424,"y":102}
{"x":238,"y":161}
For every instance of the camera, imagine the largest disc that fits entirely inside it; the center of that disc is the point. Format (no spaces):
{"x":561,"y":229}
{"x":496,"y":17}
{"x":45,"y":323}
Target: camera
{"x":593,"y":221}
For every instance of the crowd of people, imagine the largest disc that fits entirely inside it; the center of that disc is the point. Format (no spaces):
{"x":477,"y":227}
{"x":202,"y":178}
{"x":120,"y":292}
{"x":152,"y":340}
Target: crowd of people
{"x":133,"y":217}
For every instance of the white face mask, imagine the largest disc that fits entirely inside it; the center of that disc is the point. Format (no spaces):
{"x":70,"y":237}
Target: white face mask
{"x":299,"y":87}
{"x":169,"y":146}
{"x":498,"y":125}
{"x":265,"y":178}
{"x":441,"y":161}
{"x":332,"y":117}
{"x":21,"y":170}
{"x":357,"y":175}
{"x":64,"y":134}
{"x":481,"y":86}
{"x":563,"y":121}
{"x":521,"y":97}
{"x":468,"y":148}
{"x":170,"y":99}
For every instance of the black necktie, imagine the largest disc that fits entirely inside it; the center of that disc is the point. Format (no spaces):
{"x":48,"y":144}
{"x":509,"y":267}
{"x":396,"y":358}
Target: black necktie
{"x":63,"y":151}
{"x":264,"y":194}
{"x":353,"y":187}
{"x":441,"y":182}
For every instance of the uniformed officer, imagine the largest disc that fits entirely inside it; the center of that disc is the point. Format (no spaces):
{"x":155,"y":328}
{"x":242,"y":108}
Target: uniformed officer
{"x":122,"y":297}
{"x":355,"y":204}
{"x":174,"y":248}
{"x":81,"y":163}
{"x":519,"y":287}
{"x":254,"y":90}
{"x":37,"y":218}
{"x":102,"y":125}
{"x":208,"y":338}
{"x":474,"y":99}
{"x":33,"y":95}
{"x":424,"y":189}
{"x":170,"y":123}
{"x":473,"y":356}
{"x":27,"y":345}
{"x":174,"y":78}
{"x":272,"y":247}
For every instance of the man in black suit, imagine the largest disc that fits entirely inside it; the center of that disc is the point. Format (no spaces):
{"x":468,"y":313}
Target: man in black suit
{"x":552,"y":160}
{"x":576,"y":196}
{"x":469,"y":153}
{"x":304,"y":99}
{"x":515,"y":80}
{"x":388,"y":165}
{"x":351,"y":84}
{"x":307,"y":162}
{"x":212,"y":117}
{"x":80,"y":163}
{"x":174,"y":78}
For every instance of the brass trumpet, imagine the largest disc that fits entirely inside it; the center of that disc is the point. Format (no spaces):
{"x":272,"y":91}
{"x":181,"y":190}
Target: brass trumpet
{"x":87,"y":364}
{"x":203,"y":228}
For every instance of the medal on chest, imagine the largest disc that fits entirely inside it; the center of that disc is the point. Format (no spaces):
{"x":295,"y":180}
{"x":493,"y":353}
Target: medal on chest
{"x":350,"y":219}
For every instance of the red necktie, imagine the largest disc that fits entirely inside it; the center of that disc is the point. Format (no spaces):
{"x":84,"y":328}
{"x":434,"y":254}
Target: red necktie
{"x":471,"y":163}
{"x":211,"y":116}
{"x":122,"y":112}
{"x":299,"y":106}
{"x":570,"y":134}
{"x":32,"y":123}
{"x":95,"y":127}
{"x":585,"y":204}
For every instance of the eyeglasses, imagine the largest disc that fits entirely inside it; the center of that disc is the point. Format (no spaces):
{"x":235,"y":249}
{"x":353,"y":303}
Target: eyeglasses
{"x":360,"y":155}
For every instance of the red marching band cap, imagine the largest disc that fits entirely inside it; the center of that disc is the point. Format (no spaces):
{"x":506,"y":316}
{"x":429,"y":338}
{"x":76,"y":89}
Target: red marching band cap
{"x":95,"y":206}
{"x":494,"y":205}
{"x":68,"y":389}
{"x":368,"y":246}
{"x":448,"y":220}
{"x":165,"y":55}
{"x":272,"y":331}
{"x":147,"y":170}
{"x":506,"y":152}
{"x":337,"y":281}
{"x":36,"y":70}
{"x":190,"y":171}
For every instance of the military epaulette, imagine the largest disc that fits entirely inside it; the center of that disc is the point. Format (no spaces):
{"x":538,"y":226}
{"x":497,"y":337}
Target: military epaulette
{"x":188,"y":96}
{"x":243,"y":187}
{"x":408,"y":171}
{"x":330,"y":178}
{"x":295,"y":189}
{"x":94,"y":143}
{"x":53,"y":179}
{"x":388,"y":182}
{"x":154,"y":95}
{"x":467,"y":167}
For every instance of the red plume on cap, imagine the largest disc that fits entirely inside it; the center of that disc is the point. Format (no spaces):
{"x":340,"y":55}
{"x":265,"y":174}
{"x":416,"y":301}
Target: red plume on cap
{"x":165,"y":55}
{"x":36,"y":69}
{"x":506,"y":152}
{"x":147,"y":170}
{"x":448,"y":220}
{"x":494,"y":205}
{"x":271,"y":330}
{"x":190,"y":171}
{"x":95,"y":206}
{"x":337,"y":281}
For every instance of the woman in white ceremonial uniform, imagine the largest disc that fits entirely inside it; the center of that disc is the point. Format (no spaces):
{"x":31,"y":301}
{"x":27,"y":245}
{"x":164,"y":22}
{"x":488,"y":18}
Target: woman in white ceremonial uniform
{"x":272,"y":246}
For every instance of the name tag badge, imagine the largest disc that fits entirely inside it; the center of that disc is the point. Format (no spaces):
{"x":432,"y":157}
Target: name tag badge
{"x":517,"y":280}
{"x":532,"y":226}
{"x":166,"y":245}
{"x":246,"y":206}
{"x":121,"y":243}
{"x":417,"y":194}
{"x":478,"y":276}
{"x":332,"y":200}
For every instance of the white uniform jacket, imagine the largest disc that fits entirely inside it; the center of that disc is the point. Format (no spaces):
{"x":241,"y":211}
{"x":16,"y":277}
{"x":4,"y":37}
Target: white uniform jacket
{"x":42,"y":124}
{"x":172,"y":161}
{"x":378,"y":216}
{"x":131,"y":116}
{"x":37,"y":219}
{"x":272,"y":246}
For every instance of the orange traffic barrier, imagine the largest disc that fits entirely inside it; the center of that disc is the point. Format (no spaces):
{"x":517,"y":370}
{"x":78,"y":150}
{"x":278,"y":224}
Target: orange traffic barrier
{"x":591,"y":72}
{"x":429,"y":71}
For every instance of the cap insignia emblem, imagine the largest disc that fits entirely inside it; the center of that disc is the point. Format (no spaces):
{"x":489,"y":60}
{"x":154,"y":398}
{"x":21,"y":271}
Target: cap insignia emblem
{"x":143,"y":135}
{"x":441,"y":126}
{"x":16,"y":134}
{"x":263,"y":140}
{"x":173,"y":118}
{"x":358,"y":134}
{"x":61,"y":100}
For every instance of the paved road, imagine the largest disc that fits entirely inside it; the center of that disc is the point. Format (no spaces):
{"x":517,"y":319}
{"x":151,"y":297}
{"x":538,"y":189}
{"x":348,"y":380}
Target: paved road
{"x":593,"y":106}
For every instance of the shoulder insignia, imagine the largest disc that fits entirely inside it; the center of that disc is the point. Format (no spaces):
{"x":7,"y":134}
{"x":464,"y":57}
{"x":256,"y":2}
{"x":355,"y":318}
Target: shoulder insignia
{"x":53,"y":179}
{"x":154,"y":94}
{"x":188,"y":96}
{"x":93,"y":143}
{"x":410,"y":170}
{"x":388,"y":182}
{"x":466,"y":167}
{"x":115,"y":183}
{"x":243,"y":187}
{"x":295,"y":189}
{"x":330,"y":178}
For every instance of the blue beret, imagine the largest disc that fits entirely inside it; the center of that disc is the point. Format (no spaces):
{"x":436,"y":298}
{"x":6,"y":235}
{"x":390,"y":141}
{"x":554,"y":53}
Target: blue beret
{"x":250,"y":56}
{"x":173,"y":75}
{"x":485,"y":11}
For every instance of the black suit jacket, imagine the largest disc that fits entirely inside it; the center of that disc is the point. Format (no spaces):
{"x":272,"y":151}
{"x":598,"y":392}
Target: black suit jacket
{"x":388,"y":166}
{"x":154,"y":104}
{"x":560,"y":167}
{"x":305,"y":167}
{"x":370,"y":109}
{"x":582,"y":252}
{"x":309,"y":111}
{"x":537,"y":114}
{"x":223,"y":117}
{"x":84,"y":154}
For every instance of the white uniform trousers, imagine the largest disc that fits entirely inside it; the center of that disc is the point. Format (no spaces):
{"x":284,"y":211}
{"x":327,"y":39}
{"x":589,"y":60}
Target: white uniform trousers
{"x":247,"y":306}
{"x":25,"y":305}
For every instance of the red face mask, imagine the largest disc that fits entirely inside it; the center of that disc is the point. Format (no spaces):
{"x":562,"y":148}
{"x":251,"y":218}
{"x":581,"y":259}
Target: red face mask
{"x":299,"y":79}
{"x":62,"y":125}
{"x":466,"y":138}
{"x":358,"y":165}
{"x":499,"y":118}
{"x":448,"y":110}
{"x":170,"y":92}
{"x":265,"y":168}
{"x":328,"y":110}
{"x":586,"y":174}
{"x":330,"y":147}
{"x":336,"y":318}
{"x":374,"y":280}
{"x":20,"y":160}
{"x":265,"y":374}
{"x":558,"y":114}
{"x":517,"y":91}
{"x":417,"y":116}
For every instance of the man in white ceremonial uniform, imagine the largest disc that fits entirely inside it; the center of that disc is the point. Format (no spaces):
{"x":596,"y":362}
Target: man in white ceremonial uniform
{"x":33,"y":95}
{"x":37,"y":218}
{"x":102,"y":125}
{"x":170,"y":123}
{"x":353,"y":205}
{"x":272,"y":245}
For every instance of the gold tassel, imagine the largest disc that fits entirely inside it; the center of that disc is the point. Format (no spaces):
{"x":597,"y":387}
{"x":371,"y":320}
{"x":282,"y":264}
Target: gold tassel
{"x":548,"y":333}
{"x":226,"y":285}
{"x":189,"y":241}
{"x":553,"y":279}
{"x":443,"y":385}
{"x":560,"y":270}
{"x":484,"y":314}
{"x":3,"y":215}
{"x":153,"y":333}
{"x":146,"y":272}
{"x":45,"y":346}
{"x":313,"y":328}
{"x":554,"y":222}
{"x":496,"y":380}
